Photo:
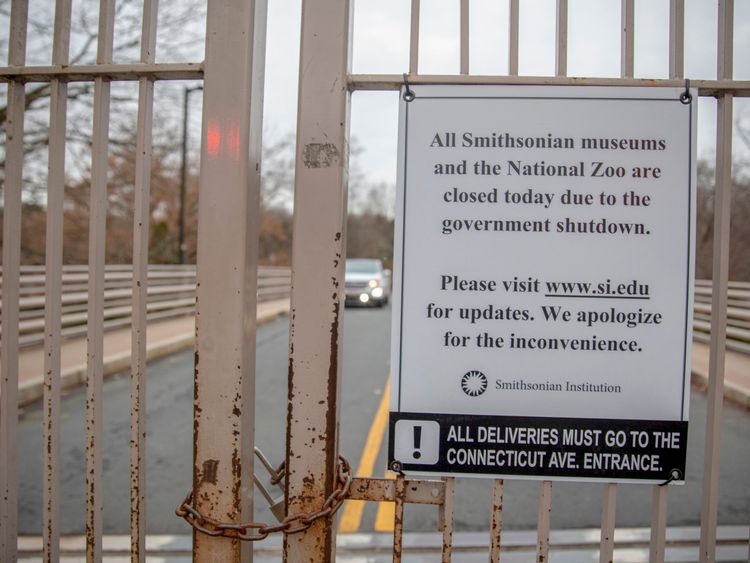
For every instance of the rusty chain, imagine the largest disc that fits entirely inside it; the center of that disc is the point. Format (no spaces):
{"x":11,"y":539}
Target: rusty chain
{"x":253,"y":531}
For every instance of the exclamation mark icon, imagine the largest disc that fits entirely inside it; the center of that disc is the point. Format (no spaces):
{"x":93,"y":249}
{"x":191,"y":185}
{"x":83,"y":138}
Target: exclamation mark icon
{"x":417,"y":442}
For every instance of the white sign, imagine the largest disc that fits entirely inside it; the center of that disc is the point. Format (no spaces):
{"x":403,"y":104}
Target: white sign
{"x":543,"y":282}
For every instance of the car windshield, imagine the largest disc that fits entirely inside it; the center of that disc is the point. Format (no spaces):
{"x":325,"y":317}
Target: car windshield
{"x":363,"y":266}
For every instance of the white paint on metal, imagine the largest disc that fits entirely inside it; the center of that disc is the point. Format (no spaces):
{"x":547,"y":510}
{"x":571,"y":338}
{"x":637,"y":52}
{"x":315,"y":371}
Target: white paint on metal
{"x":720,"y":271}
{"x":676,"y":38}
{"x":318,"y":255}
{"x":12,"y":189}
{"x":513,"y":24}
{"x":226,"y":271}
{"x":446,"y":520}
{"x":496,"y":522}
{"x":543,"y":521}
{"x":464,"y":37}
{"x":561,"y":38}
{"x":658,"y":523}
{"x":53,"y":287}
{"x":609,"y":507}
{"x":86,"y":73}
{"x":706,"y":88}
{"x":414,"y":38}
{"x":141,"y":225}
{"x":627,"y":38}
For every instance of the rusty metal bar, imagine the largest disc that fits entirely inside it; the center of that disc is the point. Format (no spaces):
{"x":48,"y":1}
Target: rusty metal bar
{"x":543,"y":521}
{"x":141,"y":225}
{"x":609,"y":511}
{"x":109,"y":71}
{"x":513,"y":38}
{"x":12,"y":208}
{"x":318,"y":255}
{"x":414,"y":38}
{"x":464,"y":37}
{"x":97,"y":238}
{"x":627,"y":37}
{"x":53,"y":287}
{"x":496,"y":523}
{"x":676,"y":38}
{"x":224,"y":401}
{"x":446,"y":519}
{"x":561,"y":38}
{"x":417,"y":491}
{"x":720,"y":270}
{"x":706,"y":88}
{"x":398,"y":519}
{"x":658,"y":523}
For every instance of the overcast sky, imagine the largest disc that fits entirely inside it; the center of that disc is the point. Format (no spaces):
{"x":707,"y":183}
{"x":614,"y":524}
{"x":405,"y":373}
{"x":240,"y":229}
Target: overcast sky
{"x":380,"y":45}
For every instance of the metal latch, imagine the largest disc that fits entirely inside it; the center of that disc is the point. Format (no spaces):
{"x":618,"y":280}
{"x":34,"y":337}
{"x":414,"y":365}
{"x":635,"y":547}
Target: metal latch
{"x":276,"y":505}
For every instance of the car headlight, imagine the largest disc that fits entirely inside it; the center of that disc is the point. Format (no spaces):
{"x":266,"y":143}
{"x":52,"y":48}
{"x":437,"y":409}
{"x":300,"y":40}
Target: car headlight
{"x":377,"y":292}
{"x":373,"y":283}
{"x":364,"y":298}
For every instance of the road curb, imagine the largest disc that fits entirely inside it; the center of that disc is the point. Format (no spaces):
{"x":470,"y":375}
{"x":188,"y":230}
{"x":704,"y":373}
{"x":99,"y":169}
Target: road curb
{"x":33,"y":390}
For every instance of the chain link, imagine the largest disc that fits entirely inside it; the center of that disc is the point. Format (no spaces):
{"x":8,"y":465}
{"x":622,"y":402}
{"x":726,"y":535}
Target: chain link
{"x":292,"y":524}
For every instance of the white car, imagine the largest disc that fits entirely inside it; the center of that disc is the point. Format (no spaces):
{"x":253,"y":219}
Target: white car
{"x":366,"y":282}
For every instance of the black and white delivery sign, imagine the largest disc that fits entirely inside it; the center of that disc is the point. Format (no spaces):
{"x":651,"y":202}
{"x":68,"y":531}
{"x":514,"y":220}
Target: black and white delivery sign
{"x":543,"y":282}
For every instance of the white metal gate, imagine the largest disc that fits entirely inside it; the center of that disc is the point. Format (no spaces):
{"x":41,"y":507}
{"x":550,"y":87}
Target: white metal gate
{"x":233,"y":72}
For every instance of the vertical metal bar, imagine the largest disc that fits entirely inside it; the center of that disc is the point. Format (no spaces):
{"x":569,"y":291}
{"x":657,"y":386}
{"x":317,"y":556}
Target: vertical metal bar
{"x":561,"y":39}
{"x":676,"y":70}
{"x":224,"y":408}
{"x":627,"y":44}
{"x":139,"y":289}
{"x":676,"y":38}
{"x":398,"y":519}
{"x":183,"y":178}
{"x":447,"y":519}
{"x":543,"y":518}
{"x":53,"y":287}
{"x":658,"y":523}
{"x":97,"y":236}
{"x":720,"y":275}
{"x":609,"y":507}
{"x":513,"y":38}
{"x":464,"y":36}
{"x":318,"y":253}
{"x":414,"y":38}
{"x":496,"y":524}
{"x":12,"y":188}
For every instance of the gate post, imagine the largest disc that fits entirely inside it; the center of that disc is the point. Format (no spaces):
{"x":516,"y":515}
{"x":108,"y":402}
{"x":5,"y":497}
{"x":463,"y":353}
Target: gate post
{"x":223,"y":418}
{"x":317,"y":272}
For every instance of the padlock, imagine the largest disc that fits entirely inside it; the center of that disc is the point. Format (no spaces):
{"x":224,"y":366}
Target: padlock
{"x":276,"y":505}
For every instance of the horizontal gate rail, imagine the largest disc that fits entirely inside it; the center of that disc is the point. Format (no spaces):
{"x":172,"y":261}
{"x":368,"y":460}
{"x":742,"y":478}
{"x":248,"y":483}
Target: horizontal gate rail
{"x":115,"y":72}
{"x":708,"y":88}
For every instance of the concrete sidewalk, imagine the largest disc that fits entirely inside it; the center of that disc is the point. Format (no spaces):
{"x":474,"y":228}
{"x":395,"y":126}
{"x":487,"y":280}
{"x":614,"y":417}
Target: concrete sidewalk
{"x":736,"y":373}
{"x":164,"y":338}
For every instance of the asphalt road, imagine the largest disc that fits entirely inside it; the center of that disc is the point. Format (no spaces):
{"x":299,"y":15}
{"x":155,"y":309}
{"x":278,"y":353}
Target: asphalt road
{"x":365,"y":371}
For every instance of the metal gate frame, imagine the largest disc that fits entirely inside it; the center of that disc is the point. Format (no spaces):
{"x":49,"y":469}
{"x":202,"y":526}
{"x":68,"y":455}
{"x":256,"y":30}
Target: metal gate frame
{"x":314,"y":249}
{"x":229,"y":188}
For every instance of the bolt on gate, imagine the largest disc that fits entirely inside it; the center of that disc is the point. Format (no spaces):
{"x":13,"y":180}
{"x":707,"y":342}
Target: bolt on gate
{"x":317,"y":479}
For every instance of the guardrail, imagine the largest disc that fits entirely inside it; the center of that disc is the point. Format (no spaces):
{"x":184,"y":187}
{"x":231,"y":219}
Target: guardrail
{"x":738,"y":315}
{"x":171,"y":293}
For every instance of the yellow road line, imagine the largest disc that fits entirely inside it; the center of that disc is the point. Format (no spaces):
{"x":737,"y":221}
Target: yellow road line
{"x":352,"y":512}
